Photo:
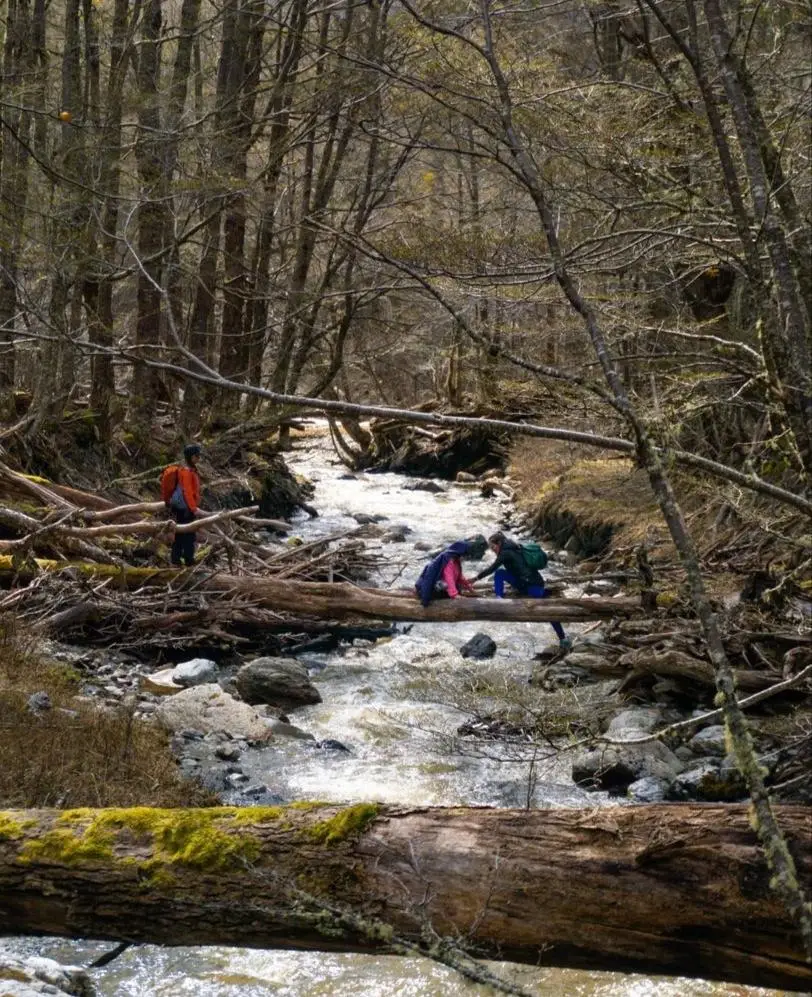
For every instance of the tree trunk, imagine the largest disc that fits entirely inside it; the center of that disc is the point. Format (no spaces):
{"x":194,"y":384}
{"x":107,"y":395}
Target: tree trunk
{"x":98,"y":287}
{"x":679,"y":889}
{"x":18,"y":59}
{"x":151,"y":220}
{"x":340,"y":600}
{"x":244,"y":73}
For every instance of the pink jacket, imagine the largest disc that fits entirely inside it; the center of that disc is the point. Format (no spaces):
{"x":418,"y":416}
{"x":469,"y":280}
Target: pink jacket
{"x":454,"y":579}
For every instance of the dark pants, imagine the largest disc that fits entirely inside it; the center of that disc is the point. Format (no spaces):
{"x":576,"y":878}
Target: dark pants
{"x":183,"y":546}
{"x":502,"y":577}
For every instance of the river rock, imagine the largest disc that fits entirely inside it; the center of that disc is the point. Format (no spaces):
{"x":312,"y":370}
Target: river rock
{"x":198,"y":671}
{"x":282,"y":682}
{"x":479,"y":647}
{"x":35,"y":975}
{"x":330,"y":744}
{"x":208,"y":708}
{"x":423,"y":485}
{"x":711,"y":782}
{"x":227,"y":752}
{"x":282,"y":729}
{"x":648,"y":790}
{"x":396,"y":534}
{"x":634,"y":723}
{"x":710,"y":741}
{"x":617,"y":766}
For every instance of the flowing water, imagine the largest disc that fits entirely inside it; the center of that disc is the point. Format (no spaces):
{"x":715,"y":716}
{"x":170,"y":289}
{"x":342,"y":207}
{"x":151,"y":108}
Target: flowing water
{"x":396,"y":705}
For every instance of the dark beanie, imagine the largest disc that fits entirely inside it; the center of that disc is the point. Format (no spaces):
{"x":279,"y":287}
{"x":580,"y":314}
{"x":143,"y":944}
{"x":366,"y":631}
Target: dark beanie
{"x":192,"y":450}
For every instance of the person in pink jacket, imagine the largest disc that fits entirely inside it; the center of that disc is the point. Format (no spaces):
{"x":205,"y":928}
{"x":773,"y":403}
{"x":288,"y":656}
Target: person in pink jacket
{"x":453,"y":580}
{"x":442,"y":577}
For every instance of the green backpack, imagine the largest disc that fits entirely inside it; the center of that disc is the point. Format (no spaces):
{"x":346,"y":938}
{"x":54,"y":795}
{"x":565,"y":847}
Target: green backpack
{"x":534,"y":556}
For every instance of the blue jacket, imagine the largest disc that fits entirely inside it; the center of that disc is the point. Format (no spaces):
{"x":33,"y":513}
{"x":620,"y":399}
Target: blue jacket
{"x":429,"y":576}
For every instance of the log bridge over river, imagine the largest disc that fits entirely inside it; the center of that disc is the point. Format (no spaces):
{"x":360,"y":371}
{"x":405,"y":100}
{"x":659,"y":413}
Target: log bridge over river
{"x":332,"y":600}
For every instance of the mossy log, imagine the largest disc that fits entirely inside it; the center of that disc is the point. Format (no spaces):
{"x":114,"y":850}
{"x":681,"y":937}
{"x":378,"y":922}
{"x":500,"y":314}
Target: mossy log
{"x":50,"y":494}
{"x":336,"y":600}
{"x":678,"y":889}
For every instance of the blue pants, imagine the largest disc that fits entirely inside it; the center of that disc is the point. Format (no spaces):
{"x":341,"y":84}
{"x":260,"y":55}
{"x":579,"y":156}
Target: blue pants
{"x":183,"y":546}
{"x":501,"y":577}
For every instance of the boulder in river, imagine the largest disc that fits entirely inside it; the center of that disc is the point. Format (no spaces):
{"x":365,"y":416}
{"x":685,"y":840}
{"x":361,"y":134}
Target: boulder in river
{"x":330,"y":744}
{"x":280,"y":682}
{"x":208,"y":708}
{"x":397,"y":534}
{"x":282,"y":728}
{"x":479,"y":647}
{"x":423,"y":485}
{"x":617,"y":766}
{"x":648,"y":790}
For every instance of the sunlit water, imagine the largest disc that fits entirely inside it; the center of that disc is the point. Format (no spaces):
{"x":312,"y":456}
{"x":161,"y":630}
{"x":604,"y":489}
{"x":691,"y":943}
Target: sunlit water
{"x":394,"y":705}
{"x":148,"y":971}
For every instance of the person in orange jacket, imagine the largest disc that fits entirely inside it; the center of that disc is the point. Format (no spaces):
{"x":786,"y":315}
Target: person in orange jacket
{"x":181,"y":492}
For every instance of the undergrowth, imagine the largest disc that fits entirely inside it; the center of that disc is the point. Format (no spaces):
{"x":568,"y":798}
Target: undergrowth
{"x":76,"y":753}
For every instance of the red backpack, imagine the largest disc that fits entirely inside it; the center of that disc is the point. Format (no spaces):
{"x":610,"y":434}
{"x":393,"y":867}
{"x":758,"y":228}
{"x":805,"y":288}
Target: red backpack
{"x":169,"y":482}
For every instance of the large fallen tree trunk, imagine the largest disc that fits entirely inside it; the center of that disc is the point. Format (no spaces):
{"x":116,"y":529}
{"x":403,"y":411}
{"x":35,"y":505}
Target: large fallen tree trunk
{"x":337,"y":600}
{"x":680,"y":889}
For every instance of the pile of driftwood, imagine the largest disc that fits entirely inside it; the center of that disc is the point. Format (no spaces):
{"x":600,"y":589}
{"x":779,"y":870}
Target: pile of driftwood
{"x":396,"y":445}
{"x":78,"y":564}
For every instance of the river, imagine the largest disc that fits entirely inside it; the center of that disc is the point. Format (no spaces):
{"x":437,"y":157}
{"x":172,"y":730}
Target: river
{"x":396,"y":705}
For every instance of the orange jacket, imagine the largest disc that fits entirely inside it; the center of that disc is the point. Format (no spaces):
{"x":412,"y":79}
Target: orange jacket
{"x":189,"y":481}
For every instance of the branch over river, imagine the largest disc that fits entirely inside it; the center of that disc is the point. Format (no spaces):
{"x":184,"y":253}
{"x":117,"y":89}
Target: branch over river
{"x":677,"y":889}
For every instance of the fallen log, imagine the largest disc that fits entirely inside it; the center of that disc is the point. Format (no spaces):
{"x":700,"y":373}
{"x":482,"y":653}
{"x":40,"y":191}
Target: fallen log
{"x":152,"y":527}
{"x":122,"y":511}
{"x":32,"y":486}
{"x":677,"y":889}
{"x":84,"y":500}
{"x":678,"y":664}
{"x":337,"y":600}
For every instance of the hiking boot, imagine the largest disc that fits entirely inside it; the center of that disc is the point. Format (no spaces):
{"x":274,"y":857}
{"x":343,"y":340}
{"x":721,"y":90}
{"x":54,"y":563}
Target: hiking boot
{"x":565,"y":644}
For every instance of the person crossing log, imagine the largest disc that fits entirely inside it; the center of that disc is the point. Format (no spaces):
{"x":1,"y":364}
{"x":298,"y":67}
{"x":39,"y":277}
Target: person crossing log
{"x":334,"y":600}
{"x":680,"y":889}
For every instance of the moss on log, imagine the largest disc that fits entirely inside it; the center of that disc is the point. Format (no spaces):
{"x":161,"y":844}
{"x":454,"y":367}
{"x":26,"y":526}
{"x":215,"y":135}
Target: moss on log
{"x":679,"y":889}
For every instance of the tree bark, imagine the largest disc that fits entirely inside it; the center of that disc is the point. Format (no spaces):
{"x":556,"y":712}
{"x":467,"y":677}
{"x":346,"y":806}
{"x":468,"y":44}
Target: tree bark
{"x":679,"y":889}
